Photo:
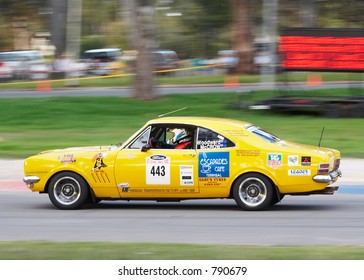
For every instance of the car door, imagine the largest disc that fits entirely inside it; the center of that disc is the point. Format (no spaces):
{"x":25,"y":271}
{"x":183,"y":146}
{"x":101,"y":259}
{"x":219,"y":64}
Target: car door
{"x":214,"y":170}
{"x":146,"y":171}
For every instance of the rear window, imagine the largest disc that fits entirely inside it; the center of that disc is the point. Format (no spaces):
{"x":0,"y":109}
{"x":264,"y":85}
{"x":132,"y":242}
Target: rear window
{"x":21,"y":56}
{"x":263,"y":134}
{"x":208,"y":139}
{"x":103,"y":54}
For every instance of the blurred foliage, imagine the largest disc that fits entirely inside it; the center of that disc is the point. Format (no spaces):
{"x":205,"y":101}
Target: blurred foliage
{"x":93,"y":42}
{"x":202,"y":29}
{"x":206,"y":21}
{"x":342,"y":13}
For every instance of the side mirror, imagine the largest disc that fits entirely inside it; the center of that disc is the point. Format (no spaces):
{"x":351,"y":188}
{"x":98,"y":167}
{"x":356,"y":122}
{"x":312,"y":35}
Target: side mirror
{"x":145,"y":148}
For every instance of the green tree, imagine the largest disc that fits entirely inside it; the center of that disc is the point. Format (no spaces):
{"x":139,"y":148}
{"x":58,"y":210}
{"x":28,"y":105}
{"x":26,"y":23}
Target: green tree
{"x":204,"y":21}
{"x":103,"y":25}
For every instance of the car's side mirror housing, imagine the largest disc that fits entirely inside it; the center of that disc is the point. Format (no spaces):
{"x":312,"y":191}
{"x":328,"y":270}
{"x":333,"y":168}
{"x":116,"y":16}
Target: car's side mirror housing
{"x":145,"y":148}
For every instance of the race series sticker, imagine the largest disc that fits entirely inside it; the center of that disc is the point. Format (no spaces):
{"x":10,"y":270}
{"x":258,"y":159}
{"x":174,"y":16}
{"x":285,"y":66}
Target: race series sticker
{"x":299,"y":172}
{"x":214,"y":165}
{"x":292,"y":160}
{"x":186,"y":175}
{"x":68,"y":158}
{"x":158,"y":170}
{"x":274,"y":160}
{"x":306,"y":161}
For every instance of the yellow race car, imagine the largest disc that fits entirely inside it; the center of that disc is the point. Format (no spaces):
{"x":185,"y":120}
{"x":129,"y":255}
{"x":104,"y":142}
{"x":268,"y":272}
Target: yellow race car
{"x":177,"y":158}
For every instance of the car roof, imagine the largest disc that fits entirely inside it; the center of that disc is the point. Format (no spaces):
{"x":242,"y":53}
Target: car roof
{"x":200,"y":121}
{"x":103,"y":50}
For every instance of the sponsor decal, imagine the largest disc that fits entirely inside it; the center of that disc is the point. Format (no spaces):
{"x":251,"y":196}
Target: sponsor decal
{"x":274,"y":160}
{"x":236,"y":132}
{"x":299,"y":172}
{"x":131,"y":156}
{"x":306,"y":161}
{"x":158,"y":170}
{"x":186,"y":175}
{"x":99,"y":161}
{"x":68,"y":158}
{"x":248,"y":153}
{"x":211,"y":144}
{"x":134,"y":190}
{"x":158,"y":157}
{"x":292,"y":160}
{"x":171,"y":190}
{"x":214,"y":165}
{"x":212,"y":182}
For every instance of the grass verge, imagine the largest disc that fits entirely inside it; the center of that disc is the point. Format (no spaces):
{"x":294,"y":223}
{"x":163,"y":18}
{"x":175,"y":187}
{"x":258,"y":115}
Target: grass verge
{"x":189,"y":77}
{"x":31,"y":125}
{"x":38,"y":250}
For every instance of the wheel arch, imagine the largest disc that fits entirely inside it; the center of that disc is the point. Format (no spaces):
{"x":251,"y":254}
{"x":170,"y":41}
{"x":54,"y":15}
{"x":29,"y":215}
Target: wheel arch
{"x":70,"y":171}
{"x":276,"y":190}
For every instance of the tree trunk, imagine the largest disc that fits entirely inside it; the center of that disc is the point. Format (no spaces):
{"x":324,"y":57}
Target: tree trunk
{"x":242,"y":38}
{"x":58,"y":25}
{"x":142,"y":12}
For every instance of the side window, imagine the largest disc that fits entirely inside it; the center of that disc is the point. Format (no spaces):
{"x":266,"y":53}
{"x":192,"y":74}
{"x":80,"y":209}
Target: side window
{"x":167,"y":136}
{"x":208,"y":139}
{"x":141,"y":140}
{"x":158,"y":133}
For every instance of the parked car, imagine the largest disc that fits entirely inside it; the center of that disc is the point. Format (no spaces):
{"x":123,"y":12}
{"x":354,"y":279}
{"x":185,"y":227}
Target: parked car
{"x":177,"y":158}
{"x":165,"y":60}
{"x":26,"y":64}
{"x":229,"y":59}
{"x":6,"y":72}
{"x":103,"y":62}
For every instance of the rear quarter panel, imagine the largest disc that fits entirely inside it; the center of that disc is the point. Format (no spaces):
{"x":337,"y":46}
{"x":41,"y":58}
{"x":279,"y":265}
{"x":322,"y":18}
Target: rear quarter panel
{"x":290,"y":166}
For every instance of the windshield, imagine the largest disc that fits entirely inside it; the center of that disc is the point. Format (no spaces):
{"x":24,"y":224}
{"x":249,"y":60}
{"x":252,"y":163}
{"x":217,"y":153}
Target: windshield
{"x":263,"y":134}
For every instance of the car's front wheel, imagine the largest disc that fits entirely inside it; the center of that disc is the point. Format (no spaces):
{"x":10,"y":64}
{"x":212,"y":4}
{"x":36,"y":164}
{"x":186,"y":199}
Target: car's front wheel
{"x":68,"y":190}
{"x":253,"y":191}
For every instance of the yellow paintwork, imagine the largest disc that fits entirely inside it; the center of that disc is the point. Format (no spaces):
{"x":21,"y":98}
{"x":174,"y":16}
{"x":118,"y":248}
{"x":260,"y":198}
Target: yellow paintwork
{"x":121,"y":173}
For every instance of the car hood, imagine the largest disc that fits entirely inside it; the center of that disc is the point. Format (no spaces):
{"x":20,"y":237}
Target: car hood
{"x":77,"y":150}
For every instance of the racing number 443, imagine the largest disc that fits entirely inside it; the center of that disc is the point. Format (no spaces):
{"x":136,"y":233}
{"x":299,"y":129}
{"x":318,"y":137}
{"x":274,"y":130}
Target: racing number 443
{"x":158,"y":170}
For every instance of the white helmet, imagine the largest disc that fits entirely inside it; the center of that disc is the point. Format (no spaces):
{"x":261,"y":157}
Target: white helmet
{"x":178,"y":133}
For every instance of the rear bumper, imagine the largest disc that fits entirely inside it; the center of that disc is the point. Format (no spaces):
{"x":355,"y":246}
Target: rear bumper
{"x":327,"y":190}
{"x":328,"y":178}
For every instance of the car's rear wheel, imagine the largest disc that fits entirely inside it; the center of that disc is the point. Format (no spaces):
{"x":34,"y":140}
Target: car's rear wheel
{"x":253,"y":191}
{"x":68,"y":190}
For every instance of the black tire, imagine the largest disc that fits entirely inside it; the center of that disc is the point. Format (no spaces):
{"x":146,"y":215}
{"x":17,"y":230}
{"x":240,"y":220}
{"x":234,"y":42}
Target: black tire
{"x":253,"y":191}
{"x":68,"y":191}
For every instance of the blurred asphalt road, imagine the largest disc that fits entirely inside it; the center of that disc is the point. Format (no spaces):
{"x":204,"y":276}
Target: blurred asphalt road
{"x":318,"y":220}
{"x":170,"y":89}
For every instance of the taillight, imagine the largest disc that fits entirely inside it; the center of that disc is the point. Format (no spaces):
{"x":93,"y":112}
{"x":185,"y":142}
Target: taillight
{"x":323,"y":168}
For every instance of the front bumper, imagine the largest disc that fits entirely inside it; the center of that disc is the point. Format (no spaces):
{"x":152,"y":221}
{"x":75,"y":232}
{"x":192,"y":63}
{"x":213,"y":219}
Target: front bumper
{"x":31,"y":180}
{"x":328,"y":178}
